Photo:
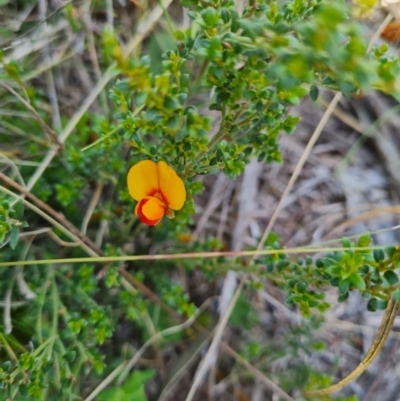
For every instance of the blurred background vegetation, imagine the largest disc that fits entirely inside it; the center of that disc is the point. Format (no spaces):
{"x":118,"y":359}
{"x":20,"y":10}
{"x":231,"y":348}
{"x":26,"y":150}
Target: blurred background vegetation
{"x":237,"y":97}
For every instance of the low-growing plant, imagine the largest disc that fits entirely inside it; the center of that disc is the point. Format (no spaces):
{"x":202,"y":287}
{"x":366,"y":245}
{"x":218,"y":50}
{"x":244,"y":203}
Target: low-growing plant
{"x":219,"y":96}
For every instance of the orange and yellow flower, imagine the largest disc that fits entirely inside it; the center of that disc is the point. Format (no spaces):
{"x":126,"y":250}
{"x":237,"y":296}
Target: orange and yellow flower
{"x":158,"y":190}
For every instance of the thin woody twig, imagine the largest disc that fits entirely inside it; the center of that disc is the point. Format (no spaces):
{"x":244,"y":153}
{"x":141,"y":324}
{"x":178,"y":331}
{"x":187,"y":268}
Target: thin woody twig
{"x":274,"y":216}
{"x":44,"y":206}
{"x":154,"y":298}
{"x":149,"y":20}
{"x":61,"y":242}
{"x":7,"y":312}
{"x":314,"y":137}
{"x":299,"y":166}
{"x":92,"y":206}
{"x":37,"y":25}
{"x":49,"y":132}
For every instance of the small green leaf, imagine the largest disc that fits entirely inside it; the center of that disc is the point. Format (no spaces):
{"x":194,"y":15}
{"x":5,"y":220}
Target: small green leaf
{"x":76,"y":325}
{"x":243,"y":315}
{"x":371,"y":305}
{"x":225,"y":15}
{"x":323,"y":306}
{"x":390,"y":251}
{"x":344,"y":286}
{"x":314,"y":93}
{"x":334,"y":281}
{"x":378,"y":255}
{"x":14,"y":237}
{"x":289,"y":300}
{"x":375,"y":276}
{"x":171,"y":103}
{"x":261,"y":157}
{"x":334,"y":270}
{"x":376,"y":304}
{"x":396,"y":295}
{"x":391,"y":277}
{"x":19,"y":210}
{"x":112,"y":394}
{"x":357,"y":281}
{"x":185,"y":79}
{"x":139,"y":378}
{"x":122,"y":85}
{"x":14,"y":391}
{"x":215,"y":106}
{"x":2,"y":237}
{"x":152,"y":115}
{"x":301,"y":287}
{"x":346,"y":88}
{"x":312,"y":303}
{"x":346,"y":243}
{"x":70,"y":355}
{"x":364,"y":240}
{"x":173,"y":122}
{"x":140,"y":98}
{"x":210,"y":16}
{"x":182,"y":98}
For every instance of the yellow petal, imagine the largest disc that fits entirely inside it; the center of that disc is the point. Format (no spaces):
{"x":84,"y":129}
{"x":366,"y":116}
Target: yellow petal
{"x":171,"y":186}
{"x":150,"y":210}
{"x":142,"y":179}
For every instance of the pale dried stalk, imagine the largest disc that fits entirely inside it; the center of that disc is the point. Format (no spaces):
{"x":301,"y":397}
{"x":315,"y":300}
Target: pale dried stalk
{"x":388,"y":317}
{"x":92,"y":206}
{"x":299,"y":165}
{"x":144,"y":28}
{"x":50,"y":220}
{"x":293,"y":178}
{"x":51,"y":88}
{"x":48,"y":131}
{"x":7,"y":312}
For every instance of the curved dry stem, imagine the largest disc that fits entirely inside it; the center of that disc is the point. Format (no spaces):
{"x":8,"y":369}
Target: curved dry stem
{"x":48,"y":131}
{"x":50,"y":220}
{"x":391,"y":310}
{"x":214,"y":344}
{"x":373,"y":352}
{"x":148,"y":22}
{"x":50,"y":212}
{"x":299,"y":166}
{"x":158,"y":336}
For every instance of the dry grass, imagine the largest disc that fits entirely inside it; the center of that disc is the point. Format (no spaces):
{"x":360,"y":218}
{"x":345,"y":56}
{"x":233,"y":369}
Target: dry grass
{"x":319,"y":193}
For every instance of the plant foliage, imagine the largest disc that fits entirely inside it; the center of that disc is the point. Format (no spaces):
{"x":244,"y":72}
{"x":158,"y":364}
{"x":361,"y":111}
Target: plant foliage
{"x":232,"y":77}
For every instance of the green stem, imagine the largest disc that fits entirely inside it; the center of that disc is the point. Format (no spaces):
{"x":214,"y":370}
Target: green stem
{"x":56,"y":304}
{"x":246,"y":121}
{"x":7,"y":347}
{"x":63,"y":352}
{"x":190,"y":255}
{"x":217,"y":137}
{"x":41,"y":303}
{"x":112,"y":132}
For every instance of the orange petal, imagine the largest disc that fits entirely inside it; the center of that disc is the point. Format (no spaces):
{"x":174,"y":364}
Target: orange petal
{"x":150,"y":210}
{"x":171,"y":186}
{"x":142,"y":179}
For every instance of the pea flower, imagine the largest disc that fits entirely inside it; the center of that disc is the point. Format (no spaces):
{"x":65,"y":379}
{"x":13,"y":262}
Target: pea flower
{"x":158,"y":190}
